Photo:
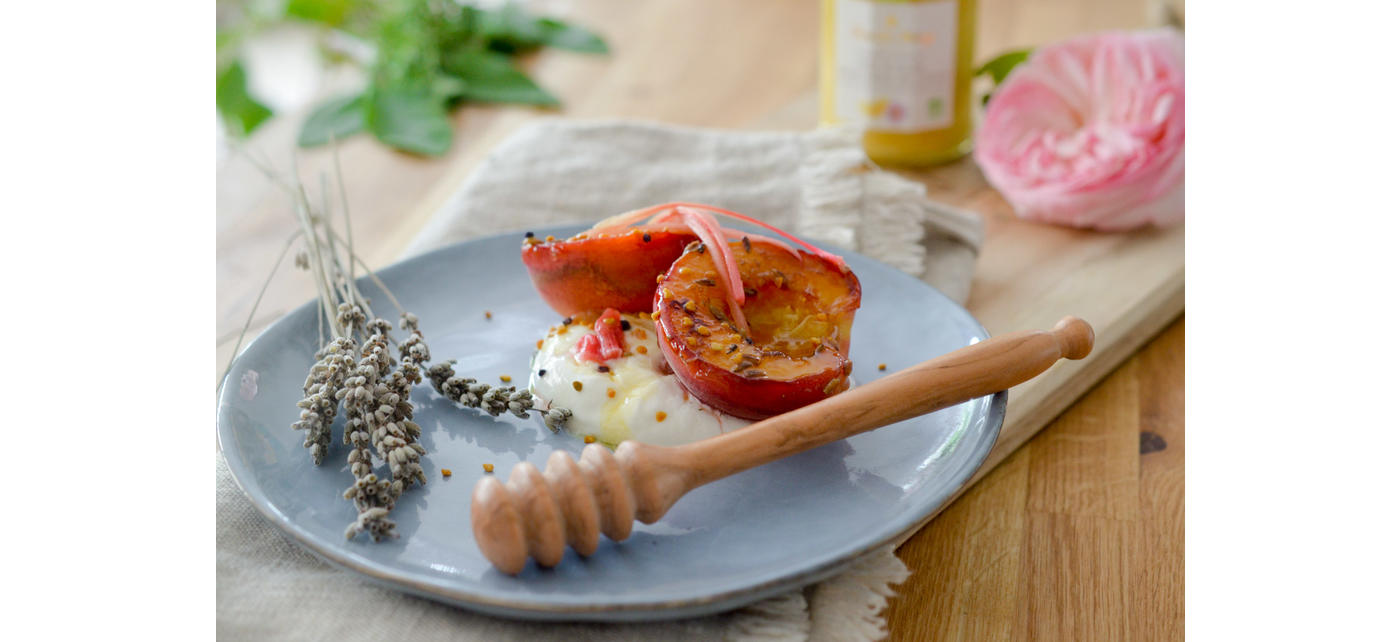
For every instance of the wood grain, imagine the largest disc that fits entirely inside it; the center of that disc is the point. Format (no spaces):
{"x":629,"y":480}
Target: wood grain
{"x":742,"y":64}
{"x":1077,"y":536}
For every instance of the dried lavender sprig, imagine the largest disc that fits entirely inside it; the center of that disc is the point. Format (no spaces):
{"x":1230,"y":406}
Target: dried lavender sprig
{"x":375,"y":393}
{"x":376,"y":521}
{"x":388,"y":426}
{"x":305,"y":217}
{"x":327,"y":376}
{"x":322,"y":388}
{"x":379,"y":413}
{"x":352,"y":317}
{"x":397,"y":435}
{"x":350,"y":290}
{"x":379,"y":406}
{"x":345,"y":210}
{"x":320,"y":270}
{"x":493,"y":400}
{"x":373,"y":497}
{"x":399,"y":446}
{"x":356,"y":260}
{"x":311,"y":258}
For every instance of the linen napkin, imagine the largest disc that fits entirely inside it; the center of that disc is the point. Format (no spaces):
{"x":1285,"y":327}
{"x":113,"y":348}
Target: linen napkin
{"x":817,"y":184}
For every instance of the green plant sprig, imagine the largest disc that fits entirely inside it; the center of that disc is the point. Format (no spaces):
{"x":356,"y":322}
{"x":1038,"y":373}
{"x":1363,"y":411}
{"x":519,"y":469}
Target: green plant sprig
{"x":999,"y":68}
{"x":431,"y":56}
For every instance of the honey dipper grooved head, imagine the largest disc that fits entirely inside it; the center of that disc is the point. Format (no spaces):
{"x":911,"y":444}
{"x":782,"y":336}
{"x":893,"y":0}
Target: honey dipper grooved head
{"x":574,"y":496}
{"x":616,"y":507}
{"x":543,"y":521}
{"x":535,"y":515}
{"x":497,"y":526}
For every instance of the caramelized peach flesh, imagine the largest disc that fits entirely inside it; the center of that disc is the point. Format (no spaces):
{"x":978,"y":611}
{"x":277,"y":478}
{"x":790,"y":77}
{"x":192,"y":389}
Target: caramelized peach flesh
{"x":799,"y":310}
{"x":594,"y":272}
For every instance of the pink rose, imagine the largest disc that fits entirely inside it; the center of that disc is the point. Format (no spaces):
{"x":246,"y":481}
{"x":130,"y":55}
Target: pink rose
{"x":1090,"y":132}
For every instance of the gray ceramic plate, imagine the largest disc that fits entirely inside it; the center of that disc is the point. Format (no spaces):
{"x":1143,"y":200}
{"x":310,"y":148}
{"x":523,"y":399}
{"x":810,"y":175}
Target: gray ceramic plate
{"x":738,"y":540}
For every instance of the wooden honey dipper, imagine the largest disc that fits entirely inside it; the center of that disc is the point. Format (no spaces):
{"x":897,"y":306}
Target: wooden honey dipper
{"x":536,"y":514}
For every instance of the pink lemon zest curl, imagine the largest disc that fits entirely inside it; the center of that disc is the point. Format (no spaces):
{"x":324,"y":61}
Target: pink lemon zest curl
{"x":707,"y":228}
{"x":658,"y":224}
{"x":736,"y":235}
{"x":822,"y":254}
{"x":605,"y":342}
{"x":619,"y":221}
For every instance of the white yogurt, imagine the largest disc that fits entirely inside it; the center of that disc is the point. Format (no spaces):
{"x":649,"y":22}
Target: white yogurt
{"x":640,"y":387}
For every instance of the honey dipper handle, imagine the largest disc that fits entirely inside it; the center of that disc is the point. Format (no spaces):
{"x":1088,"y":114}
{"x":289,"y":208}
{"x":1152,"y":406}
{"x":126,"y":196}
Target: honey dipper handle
{"x":977,"y":370}
{"x":537,"y":514}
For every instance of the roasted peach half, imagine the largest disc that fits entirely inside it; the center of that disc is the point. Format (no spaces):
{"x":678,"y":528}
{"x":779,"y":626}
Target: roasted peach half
{"x":788,"y":347}
{"x":596,"y":271}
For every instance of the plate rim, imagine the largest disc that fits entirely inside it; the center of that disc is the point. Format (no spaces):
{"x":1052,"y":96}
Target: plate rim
{"x":638,"y":611}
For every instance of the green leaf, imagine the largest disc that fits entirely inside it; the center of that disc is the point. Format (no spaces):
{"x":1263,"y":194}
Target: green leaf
{"x":509,"y":29}
{"x":411,"y":120}
{"x":407,"y":49}
{"x":998,"y":68}
{"x":491,"y":77}
{"x":227,"y":44}
{"x":242,"y":113}
{"x":448,"y":88}
{"x":329,"y":12}
{"x":562,"y":35}
{"x":338,"y":118}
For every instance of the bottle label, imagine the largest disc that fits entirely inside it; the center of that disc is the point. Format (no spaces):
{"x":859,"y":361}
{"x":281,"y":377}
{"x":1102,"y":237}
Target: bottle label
{"x":895,"y":64}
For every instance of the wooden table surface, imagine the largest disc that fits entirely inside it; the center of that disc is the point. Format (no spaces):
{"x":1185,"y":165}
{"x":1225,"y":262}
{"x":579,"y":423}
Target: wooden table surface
{"x":1077,"y":535}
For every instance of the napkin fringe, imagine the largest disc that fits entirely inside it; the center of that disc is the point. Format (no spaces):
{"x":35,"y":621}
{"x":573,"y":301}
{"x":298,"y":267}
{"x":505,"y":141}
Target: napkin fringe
{"x":846,"y":203}
{"x":831,"y":188}
{"x":777,"y":619}
{"x":863,"y":589}
{"x":893,"y":226}
{"x":868,"y":585}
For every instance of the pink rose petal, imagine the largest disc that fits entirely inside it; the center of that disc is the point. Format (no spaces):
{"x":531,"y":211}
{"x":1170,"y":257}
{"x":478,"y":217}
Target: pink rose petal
{"x":1091,"y":132}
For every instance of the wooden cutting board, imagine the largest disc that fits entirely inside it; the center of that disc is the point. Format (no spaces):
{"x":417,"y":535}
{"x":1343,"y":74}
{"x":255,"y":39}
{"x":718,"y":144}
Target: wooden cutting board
{"x":1128,"y":286}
